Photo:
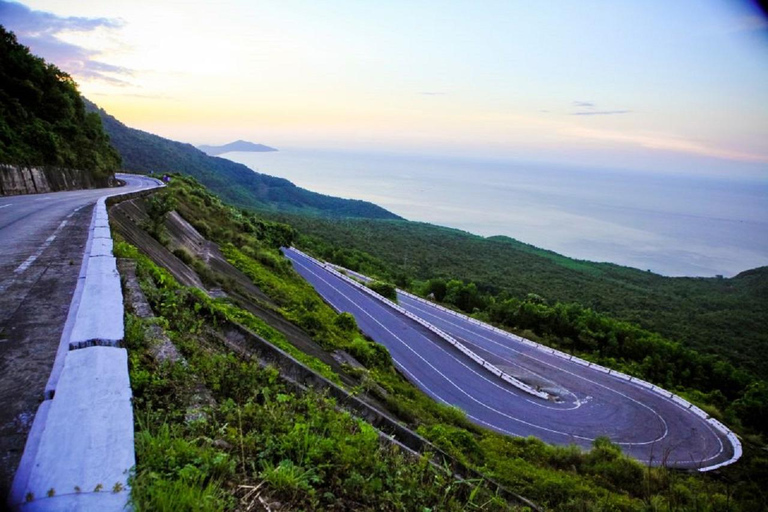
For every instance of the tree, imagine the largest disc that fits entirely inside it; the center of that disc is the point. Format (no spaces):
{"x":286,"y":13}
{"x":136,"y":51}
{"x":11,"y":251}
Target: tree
{"x":43,"y":121}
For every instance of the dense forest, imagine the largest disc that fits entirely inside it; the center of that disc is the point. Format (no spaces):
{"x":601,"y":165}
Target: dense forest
{"x":144,"y":152}
{"x":722,"y":317}
{"x":43,"y":121}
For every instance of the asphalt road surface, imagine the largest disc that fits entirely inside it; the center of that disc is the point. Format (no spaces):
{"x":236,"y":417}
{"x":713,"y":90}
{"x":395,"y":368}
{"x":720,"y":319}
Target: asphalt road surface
{"x":590,"y":403}
{"x":42,"y":241}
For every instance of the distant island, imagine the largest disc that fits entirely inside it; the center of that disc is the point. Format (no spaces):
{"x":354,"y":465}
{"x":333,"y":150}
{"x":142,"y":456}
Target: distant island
{"x":238,"y":145}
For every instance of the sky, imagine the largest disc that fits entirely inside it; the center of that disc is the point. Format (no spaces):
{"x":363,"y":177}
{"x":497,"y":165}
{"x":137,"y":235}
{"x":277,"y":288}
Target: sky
{"x":678,"y":87}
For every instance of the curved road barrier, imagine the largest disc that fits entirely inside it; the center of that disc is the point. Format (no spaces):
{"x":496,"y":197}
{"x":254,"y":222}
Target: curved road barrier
{"x":648,"y":422}
{"x":732,"y":438}
{"x":463,"y":349}
{"x":80,"y":449}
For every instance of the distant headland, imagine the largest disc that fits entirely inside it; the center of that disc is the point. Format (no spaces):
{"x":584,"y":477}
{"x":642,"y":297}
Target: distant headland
{"x":238,"y":145}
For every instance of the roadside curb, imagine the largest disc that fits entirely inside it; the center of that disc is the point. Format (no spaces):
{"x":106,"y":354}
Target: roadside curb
{"x":80,"y":449}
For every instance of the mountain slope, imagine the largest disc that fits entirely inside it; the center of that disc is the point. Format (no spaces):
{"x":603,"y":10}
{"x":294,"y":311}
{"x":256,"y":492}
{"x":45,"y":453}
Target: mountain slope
{"x":238,"y":145}
{"x":144,"y":152}
{"x":43,"y":121}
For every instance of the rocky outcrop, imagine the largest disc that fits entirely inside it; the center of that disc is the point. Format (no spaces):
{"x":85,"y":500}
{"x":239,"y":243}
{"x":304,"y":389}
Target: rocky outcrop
{"x":38,"y":180}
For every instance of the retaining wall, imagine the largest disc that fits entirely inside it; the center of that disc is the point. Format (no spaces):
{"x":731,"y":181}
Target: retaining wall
{"x":16,"y":180}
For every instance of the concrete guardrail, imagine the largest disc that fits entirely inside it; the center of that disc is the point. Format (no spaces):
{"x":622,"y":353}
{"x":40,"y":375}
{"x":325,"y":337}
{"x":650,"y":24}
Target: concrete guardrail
{"x":732,"y":438}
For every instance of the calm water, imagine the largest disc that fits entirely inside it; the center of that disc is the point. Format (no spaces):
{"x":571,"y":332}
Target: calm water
{"x":670,"y":225}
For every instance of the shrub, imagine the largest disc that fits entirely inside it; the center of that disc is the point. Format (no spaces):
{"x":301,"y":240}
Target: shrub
{"x":345,"y":322}
{"x":369,"y":353}
{"x":183,"y":255}
{"x":387,"y":290}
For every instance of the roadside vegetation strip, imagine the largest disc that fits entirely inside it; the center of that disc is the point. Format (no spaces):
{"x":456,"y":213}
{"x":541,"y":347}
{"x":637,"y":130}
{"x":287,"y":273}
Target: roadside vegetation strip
{"x":81,"y":448}
{"x":733,"y":439}
{"x":469,"y":353}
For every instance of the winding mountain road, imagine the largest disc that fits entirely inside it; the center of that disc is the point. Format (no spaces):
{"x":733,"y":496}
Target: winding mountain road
{"x":649,"y":425}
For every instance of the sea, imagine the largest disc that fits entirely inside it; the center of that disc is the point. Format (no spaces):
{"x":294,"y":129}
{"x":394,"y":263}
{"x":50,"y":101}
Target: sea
{"x":672,"y":225}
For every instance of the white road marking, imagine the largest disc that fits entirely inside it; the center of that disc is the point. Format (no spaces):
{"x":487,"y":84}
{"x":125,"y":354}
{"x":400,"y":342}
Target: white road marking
{"x":423,"y":307}
{"x":48,"y":241}
{"x":5,"y":206}
{"x":424,"y":310}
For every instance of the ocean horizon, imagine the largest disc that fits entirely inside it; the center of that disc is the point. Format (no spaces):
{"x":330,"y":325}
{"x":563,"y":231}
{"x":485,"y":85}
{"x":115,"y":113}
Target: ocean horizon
{"x":674,"y":225}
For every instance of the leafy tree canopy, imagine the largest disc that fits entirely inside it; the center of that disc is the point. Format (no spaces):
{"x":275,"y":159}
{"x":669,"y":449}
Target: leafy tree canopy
{"x":43,"y":121}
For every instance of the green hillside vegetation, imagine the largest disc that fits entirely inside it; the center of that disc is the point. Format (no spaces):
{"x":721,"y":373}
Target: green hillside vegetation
{"x":300,"y":448}
{"x":723,"y":317}
{"x":43,"y":121}
{"x":144,"y":152}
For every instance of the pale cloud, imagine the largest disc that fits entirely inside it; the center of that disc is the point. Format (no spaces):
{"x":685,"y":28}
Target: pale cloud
{"x":668,"y":143}
{"x":587,"y":108}
{"x":41,"y":30}
{"x":601,"y":113}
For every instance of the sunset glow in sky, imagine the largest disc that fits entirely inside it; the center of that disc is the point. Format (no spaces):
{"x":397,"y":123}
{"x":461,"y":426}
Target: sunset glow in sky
{"x":677,"y":86}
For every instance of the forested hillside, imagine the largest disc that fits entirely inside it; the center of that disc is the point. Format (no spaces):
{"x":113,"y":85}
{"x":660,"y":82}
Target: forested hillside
{"x":725,"y":317}
{"x":144,"y":152}
{"x":43,"y":121}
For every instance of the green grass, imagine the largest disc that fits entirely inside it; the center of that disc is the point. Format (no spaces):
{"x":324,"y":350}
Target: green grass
{"x":304,"y":451}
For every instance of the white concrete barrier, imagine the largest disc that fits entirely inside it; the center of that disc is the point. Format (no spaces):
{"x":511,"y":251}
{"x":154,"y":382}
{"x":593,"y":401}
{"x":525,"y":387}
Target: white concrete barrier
{"x":99,"y":320}
{"x":87,"y":443}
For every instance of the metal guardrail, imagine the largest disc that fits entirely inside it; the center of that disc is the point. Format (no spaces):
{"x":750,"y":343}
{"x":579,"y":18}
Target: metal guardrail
{"x":450,"y":339}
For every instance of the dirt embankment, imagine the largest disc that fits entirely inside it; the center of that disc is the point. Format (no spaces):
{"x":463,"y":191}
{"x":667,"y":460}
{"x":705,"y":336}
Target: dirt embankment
{"x":128,"y":218}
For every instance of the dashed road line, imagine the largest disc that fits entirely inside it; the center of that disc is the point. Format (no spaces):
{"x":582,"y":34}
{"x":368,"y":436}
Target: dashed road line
{"x":423,"y":307}
{"x":437,"y":396}
{"x":48,"y":241}
{"x":5,"y":284}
